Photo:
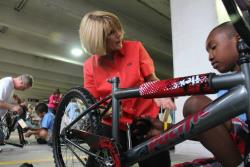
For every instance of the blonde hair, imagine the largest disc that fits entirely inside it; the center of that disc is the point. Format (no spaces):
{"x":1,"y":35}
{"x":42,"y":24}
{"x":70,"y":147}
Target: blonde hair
{"x":95,"y":28}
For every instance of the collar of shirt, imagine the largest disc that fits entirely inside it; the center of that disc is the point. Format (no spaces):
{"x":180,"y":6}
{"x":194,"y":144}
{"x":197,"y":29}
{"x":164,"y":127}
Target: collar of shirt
{"x":100,"y":60}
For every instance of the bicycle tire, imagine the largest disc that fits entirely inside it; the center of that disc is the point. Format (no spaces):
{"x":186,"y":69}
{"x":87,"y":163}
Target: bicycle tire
{"x":241,"y":25}
{"x":6,"y":126}
{"x":94,"y":118}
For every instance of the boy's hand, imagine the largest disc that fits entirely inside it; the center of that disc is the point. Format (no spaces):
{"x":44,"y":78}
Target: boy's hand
{"x":28,"y":134}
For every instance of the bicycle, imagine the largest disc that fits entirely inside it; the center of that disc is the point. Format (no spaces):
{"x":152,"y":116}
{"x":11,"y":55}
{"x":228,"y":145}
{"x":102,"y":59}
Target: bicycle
{"x":86,"y":143}
{"x":9,"y":122}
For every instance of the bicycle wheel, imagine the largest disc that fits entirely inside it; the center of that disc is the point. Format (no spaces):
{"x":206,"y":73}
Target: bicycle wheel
{"x":240,"y":16}
{"x":66,"y":154}
{"x":6,"y":126}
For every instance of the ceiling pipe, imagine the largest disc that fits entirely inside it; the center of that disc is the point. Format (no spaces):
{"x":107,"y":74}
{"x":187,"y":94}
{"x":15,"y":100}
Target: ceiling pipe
{"x":20,"y":5}
{"x":150,"y":7}
{"x":3,"y":29}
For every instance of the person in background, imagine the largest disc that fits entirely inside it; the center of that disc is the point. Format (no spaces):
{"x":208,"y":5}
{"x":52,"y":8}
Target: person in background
{"x":54,"y":100}
{"x":44,"y":133}
{"x":7,"y":87}
{"x":101,"y":34}
{"x":72,"y":110}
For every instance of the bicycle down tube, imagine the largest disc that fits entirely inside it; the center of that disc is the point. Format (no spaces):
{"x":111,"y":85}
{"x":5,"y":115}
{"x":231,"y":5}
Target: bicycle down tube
{"x":233,"y":103}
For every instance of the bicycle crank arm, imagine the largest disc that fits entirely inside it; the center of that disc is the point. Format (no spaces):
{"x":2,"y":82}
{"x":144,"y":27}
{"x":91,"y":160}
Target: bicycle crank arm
{"x":14,"y":144}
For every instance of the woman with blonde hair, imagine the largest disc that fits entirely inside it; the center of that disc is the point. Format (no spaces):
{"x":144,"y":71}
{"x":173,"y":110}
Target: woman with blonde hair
{"x":101,"y":34}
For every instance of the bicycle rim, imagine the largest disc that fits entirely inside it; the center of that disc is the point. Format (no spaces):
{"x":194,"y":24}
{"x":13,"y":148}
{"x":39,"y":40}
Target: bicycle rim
{"x":5,"y":127}
{"x":66,"y":154}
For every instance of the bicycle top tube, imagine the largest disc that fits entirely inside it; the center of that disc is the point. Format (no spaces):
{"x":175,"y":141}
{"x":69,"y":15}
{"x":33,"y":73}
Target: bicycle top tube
{"x":190,"y":85}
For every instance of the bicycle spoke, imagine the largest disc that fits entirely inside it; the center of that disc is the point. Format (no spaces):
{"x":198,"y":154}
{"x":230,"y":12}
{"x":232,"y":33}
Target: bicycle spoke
{"x":70,"y":154}
{"x":72,"y":150}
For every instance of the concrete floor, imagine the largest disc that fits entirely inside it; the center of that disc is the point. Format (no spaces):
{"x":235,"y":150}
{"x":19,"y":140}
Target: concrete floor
{"x":41,"y":155}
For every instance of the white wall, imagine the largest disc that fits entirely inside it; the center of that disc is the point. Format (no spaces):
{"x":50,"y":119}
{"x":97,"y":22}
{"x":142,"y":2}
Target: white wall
{"x":191,"y":22}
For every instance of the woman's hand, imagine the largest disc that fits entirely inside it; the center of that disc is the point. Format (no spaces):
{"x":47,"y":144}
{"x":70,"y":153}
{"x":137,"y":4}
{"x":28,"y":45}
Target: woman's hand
{"x":165,"y":103}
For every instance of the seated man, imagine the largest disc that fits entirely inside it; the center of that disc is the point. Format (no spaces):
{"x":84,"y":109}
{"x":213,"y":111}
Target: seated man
{"x":44,"y":133}
{"x":221,"y":46}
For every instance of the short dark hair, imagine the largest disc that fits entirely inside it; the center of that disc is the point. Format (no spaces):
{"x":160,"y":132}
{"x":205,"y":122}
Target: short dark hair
{"x":41,"y":107}
{"x":26,"y":165}
{"x":227,"y":27}
{"x":57,"y":91}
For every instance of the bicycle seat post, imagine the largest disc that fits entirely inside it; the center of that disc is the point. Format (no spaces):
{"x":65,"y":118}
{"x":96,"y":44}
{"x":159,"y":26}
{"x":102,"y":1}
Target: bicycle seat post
{"x":244,"y":56}
{"x":115,"y":109}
